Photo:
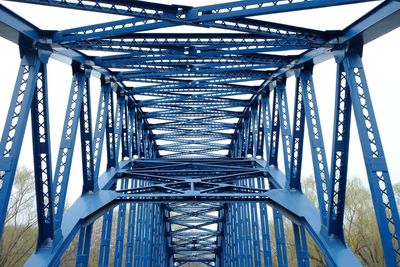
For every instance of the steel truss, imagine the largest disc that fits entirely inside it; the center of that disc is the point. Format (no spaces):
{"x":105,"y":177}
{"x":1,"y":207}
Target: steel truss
{"x":195,"y":185}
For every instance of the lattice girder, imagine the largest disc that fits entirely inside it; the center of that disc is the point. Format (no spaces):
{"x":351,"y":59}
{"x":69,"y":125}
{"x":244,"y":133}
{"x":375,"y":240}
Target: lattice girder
{"x":189,"y":125}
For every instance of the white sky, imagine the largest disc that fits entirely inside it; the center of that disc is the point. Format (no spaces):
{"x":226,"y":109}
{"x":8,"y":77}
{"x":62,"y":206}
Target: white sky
{"x":381,"y":59}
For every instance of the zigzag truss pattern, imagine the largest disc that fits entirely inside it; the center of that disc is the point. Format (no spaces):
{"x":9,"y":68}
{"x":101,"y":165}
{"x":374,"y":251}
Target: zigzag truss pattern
{"x":192,"y":111}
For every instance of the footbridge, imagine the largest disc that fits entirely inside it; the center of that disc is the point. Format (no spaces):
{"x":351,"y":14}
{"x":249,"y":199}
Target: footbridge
{"x":191,"y":121}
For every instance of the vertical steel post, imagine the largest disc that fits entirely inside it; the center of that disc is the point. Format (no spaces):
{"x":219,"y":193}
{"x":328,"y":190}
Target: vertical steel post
{"x":316,"y":141}
{"x":67,"y":144}
{"x":386,"y":212}
{"x":14,"y":128}
{"x":239,"y":223}
{"x":301,"y":246}
{"x":260,"y":134}
{"x":139,"y":135}
{"x":280,"y":239}
{"x":105,"y":239}
{"x":247,"y":230}
{"x":298,"y":139}
{"x":246,"y":133}
{"x":165,"y":255}
{"x":155,"y":246}
{"x":284,"y":125}
{"x":254,"y":129}
{"x":100,"y":127}
{"x":119,"y":120}
{"x":85,"y":121}
{"x":234,"y":242}
{"x":340,"y":153}
{"x":131,"y":230}
{"x":120,"y":234}
{"x":110,"y":134}
{"x":266,"y":122}
{"x":288,"y":142}
{"x":226,"y":236}
{"x":42,"y":159}
{"x":145,"y":235}
{"x":139,"y":233}
{"x":266,"y":238}
{"x":256,"y":249}
{"x":111,"y":162}
{"x":82,"y":256}
{"x":274,"y":138}
{"x":135,"y":149}
{"x":125,"y":140}
{"x":273,"y":160}
{"x":240,"y":141}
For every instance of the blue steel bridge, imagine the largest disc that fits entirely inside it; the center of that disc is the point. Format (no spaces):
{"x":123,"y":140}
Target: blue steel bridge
{"x":192,"y":164}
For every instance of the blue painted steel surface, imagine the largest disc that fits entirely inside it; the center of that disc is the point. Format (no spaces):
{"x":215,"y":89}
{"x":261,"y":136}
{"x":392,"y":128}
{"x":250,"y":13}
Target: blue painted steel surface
{"x":280,"y":243}
{"x":65,"y":153}
{"x":378,"y":175}
{"x":297,"y":140}
{"x":321,"y":173}
{"x":17,"y":117}
{"x":193,"y":151}
{"x":42,"y":158}
{"x":339,"y":155}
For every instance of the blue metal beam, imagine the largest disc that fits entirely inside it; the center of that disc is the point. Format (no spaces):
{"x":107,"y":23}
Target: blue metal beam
{"x":177,"y":211}
{"x":14,"y":28}
{"x":67,"y":143}
{"x":140,"y":9}
{"x":105,"y":239}
{"x":302,"y":212}
{"x":42,"y":159}
{"x":100,"y":127}
{"x":281,"y":251}
{"x":85,"y":125}
{"x":339,"y":160}
{"x":386,"y":212}
{"x":298,"y":139}
{"x":382,"y":19}
{"x":258,"y":7}
{"x":321,"y":173}
{"x":14,"y":128}
{"x":176,"y":57}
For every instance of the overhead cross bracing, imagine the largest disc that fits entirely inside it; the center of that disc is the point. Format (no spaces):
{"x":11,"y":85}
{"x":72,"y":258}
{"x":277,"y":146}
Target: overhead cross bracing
{"x":191,"y":123}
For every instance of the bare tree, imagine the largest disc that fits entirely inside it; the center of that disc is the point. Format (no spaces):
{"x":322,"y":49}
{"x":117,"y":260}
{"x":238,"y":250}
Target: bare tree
{"x":20,"y":231}
{"x":360,"y":227}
